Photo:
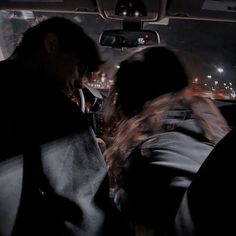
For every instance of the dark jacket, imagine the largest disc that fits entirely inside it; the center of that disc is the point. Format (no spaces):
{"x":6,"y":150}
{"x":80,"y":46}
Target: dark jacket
{"x":157,"y":173}
{"x":52,"y":175}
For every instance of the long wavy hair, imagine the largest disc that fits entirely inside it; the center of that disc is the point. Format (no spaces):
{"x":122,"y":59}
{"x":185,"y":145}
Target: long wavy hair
{"x":147,"y":84}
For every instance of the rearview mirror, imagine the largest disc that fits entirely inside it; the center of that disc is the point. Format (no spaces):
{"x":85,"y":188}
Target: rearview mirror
{"x":129,"y":38}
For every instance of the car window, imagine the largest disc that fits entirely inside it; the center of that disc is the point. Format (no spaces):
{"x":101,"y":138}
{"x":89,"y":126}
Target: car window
{"x":207,"y":47}
{"x":208,"y":50}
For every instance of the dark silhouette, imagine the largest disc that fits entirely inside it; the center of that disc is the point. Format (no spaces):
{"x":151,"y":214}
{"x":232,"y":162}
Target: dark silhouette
{"x":52,"y":175}
{"x":162,"y":134}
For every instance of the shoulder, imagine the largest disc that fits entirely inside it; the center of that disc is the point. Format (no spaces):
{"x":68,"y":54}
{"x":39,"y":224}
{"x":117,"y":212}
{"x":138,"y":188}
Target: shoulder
{"x":175,"y":150}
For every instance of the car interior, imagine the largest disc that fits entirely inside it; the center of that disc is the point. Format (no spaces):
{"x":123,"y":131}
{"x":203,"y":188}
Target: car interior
{"x":203,"y":32}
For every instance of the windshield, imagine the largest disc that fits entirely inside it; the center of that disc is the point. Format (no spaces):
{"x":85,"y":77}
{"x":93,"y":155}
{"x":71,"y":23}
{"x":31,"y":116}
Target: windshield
{"x":207,"y":47}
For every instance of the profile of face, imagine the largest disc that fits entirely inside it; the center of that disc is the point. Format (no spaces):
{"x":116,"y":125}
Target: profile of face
{"x":63,"y":66}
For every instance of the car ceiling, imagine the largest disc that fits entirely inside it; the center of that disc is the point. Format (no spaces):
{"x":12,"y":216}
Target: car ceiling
{"x":224,"y":10}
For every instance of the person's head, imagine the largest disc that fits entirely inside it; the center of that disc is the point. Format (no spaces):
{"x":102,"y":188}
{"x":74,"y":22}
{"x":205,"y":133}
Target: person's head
{"x":60,"y":48}
{"x":146,"y":75}
{"x":142,"y":77}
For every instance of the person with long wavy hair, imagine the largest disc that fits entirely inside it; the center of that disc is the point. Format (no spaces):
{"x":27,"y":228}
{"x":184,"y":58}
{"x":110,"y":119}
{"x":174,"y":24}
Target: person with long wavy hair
{"x":161,"y":134}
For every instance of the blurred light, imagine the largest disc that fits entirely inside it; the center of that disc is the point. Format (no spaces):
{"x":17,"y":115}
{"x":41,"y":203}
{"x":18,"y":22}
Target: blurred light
{"x":209,"y":76}
{"x":233,"y":94}
{"x":220,"y":70}
{"x":124,"y":13}
{"x":134,"y":8}
{"x":136,"y":13}
{"x":27,"y":15}
{"x":216,"y":82}
{"x":78,"y":19}
{"x":141,"y":41}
